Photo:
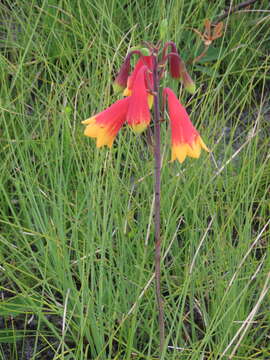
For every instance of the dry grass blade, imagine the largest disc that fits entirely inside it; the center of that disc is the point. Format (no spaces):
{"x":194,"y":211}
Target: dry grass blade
{"x":200,"y":245}
{"x":247,"y":323}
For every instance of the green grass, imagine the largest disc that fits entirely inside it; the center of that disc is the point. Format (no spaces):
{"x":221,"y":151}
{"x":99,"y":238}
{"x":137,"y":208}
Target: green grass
{"x":75,"y":253}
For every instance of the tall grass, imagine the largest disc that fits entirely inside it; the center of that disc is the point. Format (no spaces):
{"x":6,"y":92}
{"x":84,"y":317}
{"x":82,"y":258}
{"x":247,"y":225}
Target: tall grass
{"x":76,"y":222}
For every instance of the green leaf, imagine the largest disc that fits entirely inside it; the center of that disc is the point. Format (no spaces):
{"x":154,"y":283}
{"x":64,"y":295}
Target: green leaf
{"x":206,"y":70}
{"x":18,"y":305}
{"x":213,"y":54}
{"x":10,"y":336}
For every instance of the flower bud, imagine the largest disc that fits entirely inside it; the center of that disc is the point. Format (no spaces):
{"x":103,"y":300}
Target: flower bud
{"x":175,"y":65}
{"x":188,"y":83}
{"x":175,"y":61}
{"x":178,"y":70}
{"x":145,"y":51}
{"x":140,"y":50}
{"x":120,"y":81}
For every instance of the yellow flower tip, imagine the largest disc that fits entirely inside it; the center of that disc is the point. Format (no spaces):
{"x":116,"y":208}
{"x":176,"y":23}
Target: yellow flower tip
{"x":139,"y":128}
{"x":150,"y":99}
{"x":127,"y":92}
{"x":91,"y":120}
{"x":202,"y":144}
{"x":100,"y":143}
{"x":179,"y":152}
{"x":104,"y":138}
{"x":92,"y":130}
{"x":173,"y":156}
{"x":194,"y":150}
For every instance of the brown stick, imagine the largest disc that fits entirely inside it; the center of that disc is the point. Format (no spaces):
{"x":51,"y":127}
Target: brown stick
{"x":234,"y":9}
{"x":199,"y":57}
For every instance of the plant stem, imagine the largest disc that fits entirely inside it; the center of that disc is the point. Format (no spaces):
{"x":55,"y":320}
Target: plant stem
{"x":157,"y":203}
{"x":234,"y":9}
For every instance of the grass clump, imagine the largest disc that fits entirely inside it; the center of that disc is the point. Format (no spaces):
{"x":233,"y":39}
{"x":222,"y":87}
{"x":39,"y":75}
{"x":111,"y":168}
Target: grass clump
{"x":75,"y":253}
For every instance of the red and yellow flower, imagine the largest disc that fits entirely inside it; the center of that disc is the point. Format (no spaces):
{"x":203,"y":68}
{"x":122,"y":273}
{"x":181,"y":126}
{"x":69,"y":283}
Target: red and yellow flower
{"x":177,"y":67}
{"x":138,"y":115}
{"x":186,"y":140}
{"x":133,"y":109}
{"x":105,"y":125}
{"x":143,"y":61}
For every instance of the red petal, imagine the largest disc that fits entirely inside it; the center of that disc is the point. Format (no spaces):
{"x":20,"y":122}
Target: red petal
{"x":143,"y":61}
{"x":138,"y":115}
{"x":182,"y":129}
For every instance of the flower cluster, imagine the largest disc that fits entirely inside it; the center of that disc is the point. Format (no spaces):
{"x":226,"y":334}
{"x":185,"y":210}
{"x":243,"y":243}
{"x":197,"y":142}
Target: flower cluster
{"x":134,"y":108}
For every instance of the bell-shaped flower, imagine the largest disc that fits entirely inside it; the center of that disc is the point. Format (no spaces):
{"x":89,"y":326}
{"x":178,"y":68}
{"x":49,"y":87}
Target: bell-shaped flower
{"x":177,"y":67}
{"x":138,"y":115}
{"x":143,"y":61}
{"x":105,"y":125}
{"x":178,"y":70}
{"x":175,"y":62}
{"x":186,"y":140}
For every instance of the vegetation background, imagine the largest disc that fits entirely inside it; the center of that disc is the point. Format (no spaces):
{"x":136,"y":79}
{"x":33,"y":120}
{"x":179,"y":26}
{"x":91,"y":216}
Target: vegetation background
{"x":76,"y":255}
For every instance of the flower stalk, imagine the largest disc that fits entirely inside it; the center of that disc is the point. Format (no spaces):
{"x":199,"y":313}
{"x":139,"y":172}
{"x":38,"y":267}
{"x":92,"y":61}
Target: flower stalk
{"x":157,"y":153}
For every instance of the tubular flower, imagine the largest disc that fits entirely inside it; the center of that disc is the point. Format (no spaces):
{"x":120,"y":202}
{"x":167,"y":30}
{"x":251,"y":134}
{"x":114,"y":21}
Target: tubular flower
{"x":175,"y":63}
{"x":177,"y":67}
{"x":178,"y":70}
{"x":105,"y":125}
{"x":138,"y":115}
{"x":143,"y":61}
{"x":186,"y":140}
